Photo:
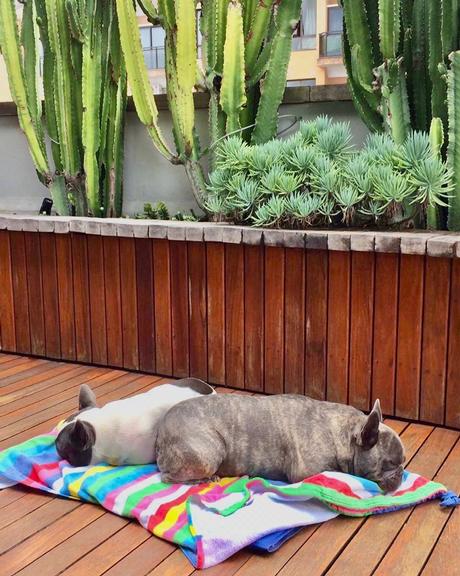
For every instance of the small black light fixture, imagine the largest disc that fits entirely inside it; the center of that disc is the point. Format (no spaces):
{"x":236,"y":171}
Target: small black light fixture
{"x":46,"y":206}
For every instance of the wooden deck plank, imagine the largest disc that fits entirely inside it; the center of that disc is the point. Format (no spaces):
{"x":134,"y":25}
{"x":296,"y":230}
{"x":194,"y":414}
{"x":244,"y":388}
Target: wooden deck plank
{"x":14,"y":397}
{"x":48,"y":538}
{"x":107,"y":554}
{"x":34,"y":522}
{"x":65,"y":554}
{"x":9,"y":495}
{"x":142,"y":559}
{"x":32,"y":369}
{"x":21,"y":507}
{"x":121,"y":390}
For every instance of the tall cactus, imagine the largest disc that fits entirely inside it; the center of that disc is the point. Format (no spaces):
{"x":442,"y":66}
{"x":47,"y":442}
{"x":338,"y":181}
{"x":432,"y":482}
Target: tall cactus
{"x":245,"y":53}
{"x":84,"y":89}
{"x":454,"y":138}
{"x":397,"y":58}
{"x":24,"y":95}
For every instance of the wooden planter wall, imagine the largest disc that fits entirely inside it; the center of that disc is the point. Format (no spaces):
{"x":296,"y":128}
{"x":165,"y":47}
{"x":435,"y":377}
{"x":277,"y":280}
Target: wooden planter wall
{"x":346,"y":326}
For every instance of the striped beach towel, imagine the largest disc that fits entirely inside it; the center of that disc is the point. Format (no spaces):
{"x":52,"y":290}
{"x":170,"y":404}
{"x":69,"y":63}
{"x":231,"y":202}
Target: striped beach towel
{"x":211,"y":521}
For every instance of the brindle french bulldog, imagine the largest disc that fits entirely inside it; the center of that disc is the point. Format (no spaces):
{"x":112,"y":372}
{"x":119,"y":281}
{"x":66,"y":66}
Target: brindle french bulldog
{"x":123,"y":431}
{"x":282,"y":437}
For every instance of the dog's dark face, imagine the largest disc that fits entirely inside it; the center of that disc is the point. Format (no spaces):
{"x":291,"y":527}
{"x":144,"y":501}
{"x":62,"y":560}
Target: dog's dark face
{"x":75,"y":441}
{"x":379,"y":453}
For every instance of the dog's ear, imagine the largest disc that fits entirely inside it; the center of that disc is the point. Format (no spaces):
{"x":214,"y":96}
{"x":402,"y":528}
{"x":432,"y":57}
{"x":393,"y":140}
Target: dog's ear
{"x":86,"y":398}
{"x":81,"y":435}
{"x":378,"y":409}
{"x":369,"y":434}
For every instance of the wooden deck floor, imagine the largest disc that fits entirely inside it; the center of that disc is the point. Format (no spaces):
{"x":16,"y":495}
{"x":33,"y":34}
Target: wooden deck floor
{"x":46,"y":536}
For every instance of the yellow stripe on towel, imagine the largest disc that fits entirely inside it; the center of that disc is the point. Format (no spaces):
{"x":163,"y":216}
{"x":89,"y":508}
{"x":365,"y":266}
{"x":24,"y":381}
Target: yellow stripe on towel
{"x":74,"y":487}
{"x":173,"y":513}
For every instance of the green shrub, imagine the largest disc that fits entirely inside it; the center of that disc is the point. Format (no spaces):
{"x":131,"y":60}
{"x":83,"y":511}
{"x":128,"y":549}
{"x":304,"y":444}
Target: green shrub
{"x":317,"y":178}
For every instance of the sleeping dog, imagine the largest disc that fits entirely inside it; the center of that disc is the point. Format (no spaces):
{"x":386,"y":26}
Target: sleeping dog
{"x":124,"y":431}
{"x":283,"y":437}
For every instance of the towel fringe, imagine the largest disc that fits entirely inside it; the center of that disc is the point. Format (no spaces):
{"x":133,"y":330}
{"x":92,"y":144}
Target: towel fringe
{"x":450,"y":500}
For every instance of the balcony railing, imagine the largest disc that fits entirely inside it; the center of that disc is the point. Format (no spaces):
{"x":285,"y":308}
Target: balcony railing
{"x":330,"y":44}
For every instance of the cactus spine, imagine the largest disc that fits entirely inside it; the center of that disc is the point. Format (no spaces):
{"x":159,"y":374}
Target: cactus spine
{"x":84,"y":89}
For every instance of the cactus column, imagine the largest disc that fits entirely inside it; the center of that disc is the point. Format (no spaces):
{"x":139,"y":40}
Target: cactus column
{"x":84,"y":89}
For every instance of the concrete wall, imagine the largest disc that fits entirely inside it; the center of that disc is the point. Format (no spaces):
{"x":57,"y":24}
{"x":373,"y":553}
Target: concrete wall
{"x":148,"y":177}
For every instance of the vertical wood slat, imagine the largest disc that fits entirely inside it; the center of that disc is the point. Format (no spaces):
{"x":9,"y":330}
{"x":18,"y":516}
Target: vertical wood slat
{"x":234,"y":314}
{"x":435,"y":339}
{"x":215,"y":256}
{"x":361,"y":329}
{"x":50,"y":294}
{"x":409,"y":335}
{"x":20,"y":292}
{"x":97,"y":299}
{"x":7,"y":323}
{"x":338,"y":325}
{"x":196,"y":255}
{"x":112,"y":284}
{"x":81,"y":297}
{"x":162,"y":290}
{"x":179,"y":308}
{"x":35,"y":292}
{"x":453,"y":371}
{"x":274,"y":319}
{"x":64,"y":263}
{"x":129,"y":304}
{"x":254,"y":299}
{"x":316,"y":306}
{"x":385,"y":330}
{"x":294,"y":306}
{"x":145,"y":304}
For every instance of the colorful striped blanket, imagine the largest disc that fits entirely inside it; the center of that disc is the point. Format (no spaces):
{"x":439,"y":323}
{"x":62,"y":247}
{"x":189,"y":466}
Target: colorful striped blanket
{"x":209,"y":521}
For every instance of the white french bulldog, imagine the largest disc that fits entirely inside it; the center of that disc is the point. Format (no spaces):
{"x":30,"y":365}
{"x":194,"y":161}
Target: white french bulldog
{"x":124,"y":431}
